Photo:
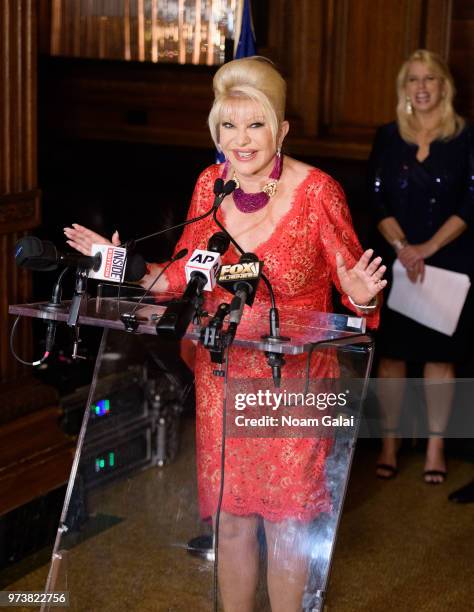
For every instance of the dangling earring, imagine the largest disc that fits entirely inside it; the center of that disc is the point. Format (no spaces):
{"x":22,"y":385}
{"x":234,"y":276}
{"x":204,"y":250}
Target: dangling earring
{"x":408,"y":106}
{"x":278,"y":165}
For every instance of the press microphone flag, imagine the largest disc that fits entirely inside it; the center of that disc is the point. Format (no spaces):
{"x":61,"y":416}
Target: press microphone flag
{"x":247,"y":272}
{"x":112,"y":263}
{"x":106,"y":263}
{"x":205,"y":262}
{"x":116,"y":266}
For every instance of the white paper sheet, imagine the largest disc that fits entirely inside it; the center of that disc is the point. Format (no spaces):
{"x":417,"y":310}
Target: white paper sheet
{"x":436,"y":302}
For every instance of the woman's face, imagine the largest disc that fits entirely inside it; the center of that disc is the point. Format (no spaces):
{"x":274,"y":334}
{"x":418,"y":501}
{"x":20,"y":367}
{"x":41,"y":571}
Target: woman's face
{"x":424,"y":87}
{"x":246,"y":138}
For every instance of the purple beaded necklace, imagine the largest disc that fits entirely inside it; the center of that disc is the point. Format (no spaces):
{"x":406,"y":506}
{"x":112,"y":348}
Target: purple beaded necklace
{"x":251,"y":202}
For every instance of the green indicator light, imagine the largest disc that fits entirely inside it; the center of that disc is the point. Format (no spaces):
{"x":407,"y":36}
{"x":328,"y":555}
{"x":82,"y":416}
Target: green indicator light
{"x":111,"y":459}
{"x":102,"y":463}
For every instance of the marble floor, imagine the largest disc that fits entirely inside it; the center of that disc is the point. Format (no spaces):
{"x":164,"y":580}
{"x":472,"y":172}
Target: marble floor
{"x":401,"y":544}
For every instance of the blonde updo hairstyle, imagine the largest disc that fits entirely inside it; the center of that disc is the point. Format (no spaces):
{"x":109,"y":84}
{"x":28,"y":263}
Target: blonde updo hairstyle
{"x":450,"y":123}
{"x":252,"y":78}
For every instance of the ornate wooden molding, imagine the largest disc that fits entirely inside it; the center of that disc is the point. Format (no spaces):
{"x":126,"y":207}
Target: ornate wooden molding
{"x":20,"y":211}
{"x":19,"y":196}
{"x":339,"y":57}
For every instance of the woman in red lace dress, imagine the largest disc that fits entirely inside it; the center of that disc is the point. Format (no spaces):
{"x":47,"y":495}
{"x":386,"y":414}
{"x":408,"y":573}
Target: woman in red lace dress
{"x":304,"y":235}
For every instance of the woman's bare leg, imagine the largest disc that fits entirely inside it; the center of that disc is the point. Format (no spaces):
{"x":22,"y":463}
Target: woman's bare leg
{"x":287,"y":568}
{"x":439,"y":400}
{"x":390,"y":399}
{"x":238,"y":561}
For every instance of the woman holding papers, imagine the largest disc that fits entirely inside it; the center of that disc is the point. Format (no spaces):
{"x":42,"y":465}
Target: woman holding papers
{"x":422,"y":190}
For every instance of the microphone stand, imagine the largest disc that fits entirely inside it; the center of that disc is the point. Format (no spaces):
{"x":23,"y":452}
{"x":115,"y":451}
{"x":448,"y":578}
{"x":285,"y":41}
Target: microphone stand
{"x":129,"y":319}
{"x":213,"y":338}
{"x":274,"y":359}
{"x":79,"y":291}
{"x":56,"y":303}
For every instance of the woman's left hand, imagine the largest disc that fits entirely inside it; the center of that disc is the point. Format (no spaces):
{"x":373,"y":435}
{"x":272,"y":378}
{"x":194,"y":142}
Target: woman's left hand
{"x":364,"y":280}
{"x":411,"y":254}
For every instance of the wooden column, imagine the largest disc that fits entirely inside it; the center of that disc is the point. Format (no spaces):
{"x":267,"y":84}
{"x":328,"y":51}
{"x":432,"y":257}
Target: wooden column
{"x":19,"y":195}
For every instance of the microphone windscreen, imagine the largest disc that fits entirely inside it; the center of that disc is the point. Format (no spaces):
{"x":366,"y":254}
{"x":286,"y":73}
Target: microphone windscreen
{"x":180,"y":254}
{"x":248,"y":257}
{"x":218,"y":243}
{"x":218,"y":186}
{"x":229,"y":187}
{"x":35,"y":254}
{"x":136,"y":268}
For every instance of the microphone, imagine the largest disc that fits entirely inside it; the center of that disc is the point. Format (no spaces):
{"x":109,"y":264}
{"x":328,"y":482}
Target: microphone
{"x":207,"y":262}
{"x":201,"y":273}
{"x":219,"y":243}
{"x":42,"y":256}
{"x":275,"y":360}
{"x":240,"y":279}
{"x":106,"y":263}
{"x":179,"y":313}
{"x":218,"y":186}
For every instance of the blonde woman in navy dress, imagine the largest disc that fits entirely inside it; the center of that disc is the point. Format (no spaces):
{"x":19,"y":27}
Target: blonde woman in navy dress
{"x":422,"y":189}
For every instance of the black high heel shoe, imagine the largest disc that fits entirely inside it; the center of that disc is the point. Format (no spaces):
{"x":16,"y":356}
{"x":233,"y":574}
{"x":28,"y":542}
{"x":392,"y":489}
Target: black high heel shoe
{"x":441,"y":474}
{"x":390,"y":470}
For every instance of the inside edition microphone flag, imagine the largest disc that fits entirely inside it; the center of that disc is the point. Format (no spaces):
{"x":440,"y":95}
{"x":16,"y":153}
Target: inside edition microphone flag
{"x":245,"y":39}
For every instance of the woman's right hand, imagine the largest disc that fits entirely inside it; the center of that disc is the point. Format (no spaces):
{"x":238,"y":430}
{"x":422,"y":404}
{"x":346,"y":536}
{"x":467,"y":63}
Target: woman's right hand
{"x":413,"y":263}
{"x":82,"y":239}
{"x":417,"y":271}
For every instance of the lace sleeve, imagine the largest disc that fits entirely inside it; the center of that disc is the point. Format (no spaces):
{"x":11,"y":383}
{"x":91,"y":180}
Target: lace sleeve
{"x":337,"y":234}
{"x":191,"y":237}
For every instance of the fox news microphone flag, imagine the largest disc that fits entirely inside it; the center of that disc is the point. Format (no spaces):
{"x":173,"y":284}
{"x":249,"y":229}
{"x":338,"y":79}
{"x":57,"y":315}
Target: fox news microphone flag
{"x":246,"y":45}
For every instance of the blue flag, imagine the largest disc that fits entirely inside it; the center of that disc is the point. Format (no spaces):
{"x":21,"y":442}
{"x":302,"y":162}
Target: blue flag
{"x":246,"y":45}
{"x":245,"y":48}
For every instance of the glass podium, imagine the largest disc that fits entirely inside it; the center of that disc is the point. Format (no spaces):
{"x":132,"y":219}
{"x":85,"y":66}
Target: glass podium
{"x":131,"y":505}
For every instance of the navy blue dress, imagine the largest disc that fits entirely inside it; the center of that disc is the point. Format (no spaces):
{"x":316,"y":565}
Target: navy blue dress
{"x":422,"y":196}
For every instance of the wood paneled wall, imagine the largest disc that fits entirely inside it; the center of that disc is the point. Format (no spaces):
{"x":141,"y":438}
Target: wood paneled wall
{"x":19,"y":196}
{"x":462,"y":54}
{"x":340,"y":58}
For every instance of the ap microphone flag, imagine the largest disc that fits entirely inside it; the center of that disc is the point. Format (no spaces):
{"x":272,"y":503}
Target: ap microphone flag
{"x":207,"y":263}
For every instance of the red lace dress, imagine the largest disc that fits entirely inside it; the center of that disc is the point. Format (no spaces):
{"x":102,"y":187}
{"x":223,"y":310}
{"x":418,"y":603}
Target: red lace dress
{"x":275,"y":478}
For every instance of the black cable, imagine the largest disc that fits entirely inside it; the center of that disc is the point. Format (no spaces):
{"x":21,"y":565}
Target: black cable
{"x":132,"y":243}
{"x":128,"y":318}
{"x":155,"y":280}
{"x":240,"y":249}
{"x":221,"y":190}
{"x":12,"y":349}
{"x":274,"y":360}
{"x":221,"y":489}
{"x":308,"y":367}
